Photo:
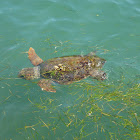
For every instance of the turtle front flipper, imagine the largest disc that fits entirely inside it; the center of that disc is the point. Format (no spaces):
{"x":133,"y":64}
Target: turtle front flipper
{"x":34,"y":58}
{"x":98,"y":74}
{"x":45,"y":84}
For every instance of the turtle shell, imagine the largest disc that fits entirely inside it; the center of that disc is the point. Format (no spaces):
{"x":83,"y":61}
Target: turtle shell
{"x":70,"y":68}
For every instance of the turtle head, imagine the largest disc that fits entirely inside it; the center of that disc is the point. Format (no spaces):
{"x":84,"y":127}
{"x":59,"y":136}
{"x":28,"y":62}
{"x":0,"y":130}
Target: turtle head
{"x":30,"y":73}
{"x":99,"y":75}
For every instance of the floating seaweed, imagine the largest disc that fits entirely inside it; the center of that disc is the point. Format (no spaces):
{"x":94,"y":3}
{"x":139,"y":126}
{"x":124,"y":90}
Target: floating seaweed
{"x":102,"y":111}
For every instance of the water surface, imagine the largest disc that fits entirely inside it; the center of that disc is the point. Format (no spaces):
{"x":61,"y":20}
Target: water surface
{"x":84,"y":110}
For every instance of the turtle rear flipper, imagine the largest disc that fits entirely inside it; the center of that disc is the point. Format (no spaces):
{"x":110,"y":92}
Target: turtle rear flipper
{"x":97,"y":74}
{"x":34,"y":58}
{"x":45,"y":84}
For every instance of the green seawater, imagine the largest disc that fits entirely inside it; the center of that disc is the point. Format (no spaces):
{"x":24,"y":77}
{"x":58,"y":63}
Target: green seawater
{"x":85,"y":110}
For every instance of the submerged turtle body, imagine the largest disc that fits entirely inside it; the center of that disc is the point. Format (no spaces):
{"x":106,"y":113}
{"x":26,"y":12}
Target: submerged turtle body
{"x":63,"y":70}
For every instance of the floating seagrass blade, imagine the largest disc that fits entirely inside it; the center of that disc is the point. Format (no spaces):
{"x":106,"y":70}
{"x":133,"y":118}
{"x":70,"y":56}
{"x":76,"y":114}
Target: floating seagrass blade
{"x":34,"y":58}
{"x":45,"y":84}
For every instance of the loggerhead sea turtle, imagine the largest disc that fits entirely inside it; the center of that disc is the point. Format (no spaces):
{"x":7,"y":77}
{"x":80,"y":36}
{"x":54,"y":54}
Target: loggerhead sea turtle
{"x":63,"y":70}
